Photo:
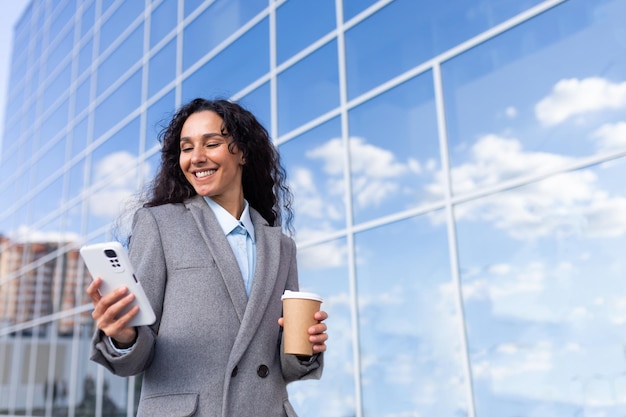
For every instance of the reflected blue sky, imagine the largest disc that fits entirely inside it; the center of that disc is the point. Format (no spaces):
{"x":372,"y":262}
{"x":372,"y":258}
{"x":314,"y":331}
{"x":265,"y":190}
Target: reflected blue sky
{"x":535,"y":328}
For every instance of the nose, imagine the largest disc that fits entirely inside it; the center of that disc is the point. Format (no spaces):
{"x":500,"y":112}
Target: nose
{"x":198,"y":155}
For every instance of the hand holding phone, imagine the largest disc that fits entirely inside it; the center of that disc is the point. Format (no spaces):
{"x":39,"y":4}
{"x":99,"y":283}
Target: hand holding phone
{"x":110,"y":262}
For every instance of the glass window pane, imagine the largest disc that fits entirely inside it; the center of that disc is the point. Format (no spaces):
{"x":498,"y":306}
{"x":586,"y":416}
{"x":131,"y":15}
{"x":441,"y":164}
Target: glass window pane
{"x":79,"y":137}
{"x":420,"y":31}
{"x":394,"y":150}
{"x":55,"y":121}
{"x":300,"y":102}
{"x":51,"y":161}
{"x":115,"y":175}
{"x":85,"y":57}
{"x":162,"y":68}
{"x":299,"y":23}
{"x":543,"y":294}
{"x":409,"y":324}
{"x":88,"y":18}
{"x":315,"y":169}
{"x":353,"y":7}
{"x":159,"y":115}
{"x":372,"y":59}
{"x":191,"y":6}
{"x":163,"y":20}
{"x":224,"y":75}
{"x":76,"y":181}
{"x":220,"y":20}
{"x":58,"y":52}
{"x":125,"y":56}
{"x":62,"y":17}
{"x":532,"y":119}
{"x":12,"y":160}
{"x":58,"y":86}
{"x":119,"y":21}
{"x":83,"y":96}
{"x":258,"y":102}
{"x":118,"y":105}
{"x":323,"y":269}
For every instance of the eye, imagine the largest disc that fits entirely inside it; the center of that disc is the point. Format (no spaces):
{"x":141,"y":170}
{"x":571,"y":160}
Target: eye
{"x":213,"y":145}
{"x":186,"y":149}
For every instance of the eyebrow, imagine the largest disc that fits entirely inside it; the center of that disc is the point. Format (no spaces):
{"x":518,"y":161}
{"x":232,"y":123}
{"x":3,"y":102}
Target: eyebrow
{"x":205,"y":136}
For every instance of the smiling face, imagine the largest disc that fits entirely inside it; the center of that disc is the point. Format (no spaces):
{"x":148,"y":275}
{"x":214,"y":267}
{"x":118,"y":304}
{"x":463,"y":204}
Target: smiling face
{"x":208,"y":165}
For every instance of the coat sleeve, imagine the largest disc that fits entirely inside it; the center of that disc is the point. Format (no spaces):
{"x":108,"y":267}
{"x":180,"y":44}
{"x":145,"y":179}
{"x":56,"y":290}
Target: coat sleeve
{"x":294,"y":369}
{"x":147,"y":257}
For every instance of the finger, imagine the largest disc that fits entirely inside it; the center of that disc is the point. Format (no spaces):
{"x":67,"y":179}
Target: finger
{"x":92,"y":290}
{"x":114,"y":311}
{"x":319,"y":347}
{"x":281,"y":322}
{"x":104,"y":303}
{"x":320,"y":315}
{"x":123,"y":320}
{"x":318,"y":339}
{"x":106,"y":314}
{"x":318,"y":328}
{"x":120,"y":330}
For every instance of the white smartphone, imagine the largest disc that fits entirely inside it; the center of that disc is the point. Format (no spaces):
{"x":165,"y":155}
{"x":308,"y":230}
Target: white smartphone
{"x":110,"y":262}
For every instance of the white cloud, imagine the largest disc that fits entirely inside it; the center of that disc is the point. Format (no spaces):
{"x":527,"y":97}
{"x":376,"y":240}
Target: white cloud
{"x":308,"y":199}
{"x":573,"y":97}
{"x":375,"y":170}
{"x":121,"y":171}
{"x":567,"y":203}
{"x":503,"y":281}
{"x":331,"y":153}
{"x":511,"y":112}
{"x":25,"y":234}
{"x":509,"y":360}
{"x":331,"y":254}
{"x":611,"y":136}
{"x":493,"y":159}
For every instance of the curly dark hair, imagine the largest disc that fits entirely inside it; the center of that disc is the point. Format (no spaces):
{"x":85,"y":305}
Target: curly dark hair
{"x":263,"y":179}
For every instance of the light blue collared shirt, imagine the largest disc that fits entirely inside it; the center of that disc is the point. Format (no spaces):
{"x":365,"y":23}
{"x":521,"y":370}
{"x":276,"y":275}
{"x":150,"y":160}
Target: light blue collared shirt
{"x":240,"y":236}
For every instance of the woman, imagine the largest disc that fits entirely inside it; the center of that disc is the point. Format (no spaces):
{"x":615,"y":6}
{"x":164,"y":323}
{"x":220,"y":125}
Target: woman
{"x":216,"y":347}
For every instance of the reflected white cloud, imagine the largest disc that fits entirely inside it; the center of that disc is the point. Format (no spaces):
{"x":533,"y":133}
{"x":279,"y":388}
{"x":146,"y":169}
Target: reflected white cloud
{"x":309,"y":201}
{"x":571,"y":202}
{"x":121,"y":171}
{"x":329,"y":255}
{"x":510,"y":359}
{"x":375,"y":170}
{"x":25,"y":234}
{"x":511,"y":112}
{"x":611,"y":137}
{"x":534,"y":371}
{"x":574,"y":97}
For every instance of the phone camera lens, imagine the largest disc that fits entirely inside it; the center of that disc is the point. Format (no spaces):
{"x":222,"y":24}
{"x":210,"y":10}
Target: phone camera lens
{"x":110,"y":253}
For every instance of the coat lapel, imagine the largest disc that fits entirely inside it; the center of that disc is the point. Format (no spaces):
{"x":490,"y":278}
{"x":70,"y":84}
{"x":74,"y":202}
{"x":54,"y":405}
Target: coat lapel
{"x":268,"y":240}
{"x":220,"y":250}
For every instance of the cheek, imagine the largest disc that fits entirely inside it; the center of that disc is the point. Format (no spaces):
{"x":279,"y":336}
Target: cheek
{"x":182,"y":161}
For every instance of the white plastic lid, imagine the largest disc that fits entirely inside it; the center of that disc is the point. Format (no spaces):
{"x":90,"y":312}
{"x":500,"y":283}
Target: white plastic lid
{"x":302,"y":295}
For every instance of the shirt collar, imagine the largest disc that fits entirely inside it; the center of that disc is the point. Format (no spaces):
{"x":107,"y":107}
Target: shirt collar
{"x":226,"y":220}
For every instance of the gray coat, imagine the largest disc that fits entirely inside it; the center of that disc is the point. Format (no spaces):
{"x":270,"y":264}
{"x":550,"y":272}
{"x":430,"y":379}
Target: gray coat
{"x":212,"y":352}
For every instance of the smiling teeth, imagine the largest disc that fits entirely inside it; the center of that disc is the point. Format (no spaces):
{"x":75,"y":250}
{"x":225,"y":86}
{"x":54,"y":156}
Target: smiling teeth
{"x":205,"y":173}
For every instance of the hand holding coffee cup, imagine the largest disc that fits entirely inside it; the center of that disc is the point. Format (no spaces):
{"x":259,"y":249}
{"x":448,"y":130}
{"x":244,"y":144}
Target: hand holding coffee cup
{"x":301,"y":312}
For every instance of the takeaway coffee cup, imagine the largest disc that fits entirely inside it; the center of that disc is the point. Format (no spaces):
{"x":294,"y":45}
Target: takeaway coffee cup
{"x":298,"y":311}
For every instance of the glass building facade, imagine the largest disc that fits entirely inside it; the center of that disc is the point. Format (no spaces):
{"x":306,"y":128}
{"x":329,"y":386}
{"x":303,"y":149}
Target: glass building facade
{"x":456,"y":168}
